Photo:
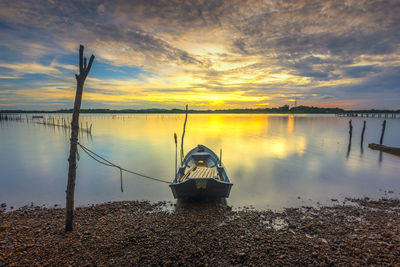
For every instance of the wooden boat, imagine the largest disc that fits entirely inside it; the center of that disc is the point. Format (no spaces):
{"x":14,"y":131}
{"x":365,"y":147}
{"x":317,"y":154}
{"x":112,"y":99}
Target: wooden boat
{"x":201,"y":175}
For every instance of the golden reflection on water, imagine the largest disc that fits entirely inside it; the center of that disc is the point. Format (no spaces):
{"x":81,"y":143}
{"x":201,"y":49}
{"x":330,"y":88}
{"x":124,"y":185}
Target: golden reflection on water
{"x":237,"y":135}
{"x":290,"y":124}
{"x":271,"y":159}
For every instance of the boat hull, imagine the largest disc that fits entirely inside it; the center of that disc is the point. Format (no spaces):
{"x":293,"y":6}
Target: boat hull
{"x":201,"y":188}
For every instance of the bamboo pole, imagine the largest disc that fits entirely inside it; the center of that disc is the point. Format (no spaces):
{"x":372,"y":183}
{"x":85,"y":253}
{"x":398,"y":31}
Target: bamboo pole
{"x":80,"y":80}
{"x":176,"y":153}
{"x":183,"y":133}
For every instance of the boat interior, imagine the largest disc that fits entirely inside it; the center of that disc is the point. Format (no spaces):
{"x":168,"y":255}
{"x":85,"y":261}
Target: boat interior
{"x":200,"y":172}
{"x":201,"y":165}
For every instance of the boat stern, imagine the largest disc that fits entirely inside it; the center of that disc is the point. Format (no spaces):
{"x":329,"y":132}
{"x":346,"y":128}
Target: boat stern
{"x":201,"y":188}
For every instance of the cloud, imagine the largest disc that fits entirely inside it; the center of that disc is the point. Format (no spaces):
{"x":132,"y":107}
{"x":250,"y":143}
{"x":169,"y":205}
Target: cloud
{"x":255,"y":50}
{"x":29,"y":68}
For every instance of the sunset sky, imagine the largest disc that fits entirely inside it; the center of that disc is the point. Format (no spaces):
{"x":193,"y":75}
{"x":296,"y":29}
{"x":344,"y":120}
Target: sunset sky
{"x":208,"y":54}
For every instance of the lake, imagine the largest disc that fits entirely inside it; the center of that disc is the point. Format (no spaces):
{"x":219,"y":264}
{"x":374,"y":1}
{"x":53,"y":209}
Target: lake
{"x":274,"y":161}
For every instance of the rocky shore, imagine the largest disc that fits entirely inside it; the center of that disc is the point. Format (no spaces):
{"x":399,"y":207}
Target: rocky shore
{"x":136,"y":233}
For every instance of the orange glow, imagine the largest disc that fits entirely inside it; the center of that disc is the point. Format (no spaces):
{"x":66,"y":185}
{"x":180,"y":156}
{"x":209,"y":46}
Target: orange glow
{"x":290,"y":124}
{"x":237,"y":135}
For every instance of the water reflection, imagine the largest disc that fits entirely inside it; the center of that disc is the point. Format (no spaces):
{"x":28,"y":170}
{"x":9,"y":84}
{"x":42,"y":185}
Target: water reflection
{"x":271,"y":159}
{"x":290,"y":125}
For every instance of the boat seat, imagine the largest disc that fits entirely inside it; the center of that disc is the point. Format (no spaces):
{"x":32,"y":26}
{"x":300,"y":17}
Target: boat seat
{"x":187,"y":172}
{"x":200,"y":172}
{"x":204,"y":172}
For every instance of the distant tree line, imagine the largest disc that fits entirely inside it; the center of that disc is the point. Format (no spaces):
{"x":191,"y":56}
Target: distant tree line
{"x":285,"y":109}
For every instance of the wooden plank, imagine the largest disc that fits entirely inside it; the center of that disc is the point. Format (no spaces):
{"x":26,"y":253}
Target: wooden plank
{"x":187,"y":173}
{"x":201,"y":172}
{"x":215,"y":174}
{"x":387,"y":149}
{"x":195,"y":173}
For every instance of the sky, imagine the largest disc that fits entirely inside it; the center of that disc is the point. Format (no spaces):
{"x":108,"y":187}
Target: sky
{"x":208,"y":54}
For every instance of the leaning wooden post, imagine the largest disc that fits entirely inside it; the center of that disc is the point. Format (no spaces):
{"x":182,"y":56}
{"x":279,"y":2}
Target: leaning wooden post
{"x":350,"y":135}
{"x":362,"y":133}
{"x":183,"y":133}
{"x":80,"y":80}
{"x":350,"y":130}
{"x":383,"y":132}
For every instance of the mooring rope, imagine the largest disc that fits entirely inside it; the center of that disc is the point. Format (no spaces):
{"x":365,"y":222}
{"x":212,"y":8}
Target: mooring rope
{"x":105,"y":162}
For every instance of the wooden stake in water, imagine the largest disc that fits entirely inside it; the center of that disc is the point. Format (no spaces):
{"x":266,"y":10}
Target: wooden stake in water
{"x":362,"y":133}
{"x":350,"y":135}
{"x":80,"y":80}
{"x":350,"y":131}
{"x":383,"y":132}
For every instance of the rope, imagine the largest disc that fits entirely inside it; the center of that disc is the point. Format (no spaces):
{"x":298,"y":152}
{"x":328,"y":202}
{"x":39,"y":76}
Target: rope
{"x":105,"y":162}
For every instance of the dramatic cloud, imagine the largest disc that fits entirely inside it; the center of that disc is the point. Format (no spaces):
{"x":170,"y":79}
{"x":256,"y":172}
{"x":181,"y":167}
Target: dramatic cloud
{"x":237,"y":53}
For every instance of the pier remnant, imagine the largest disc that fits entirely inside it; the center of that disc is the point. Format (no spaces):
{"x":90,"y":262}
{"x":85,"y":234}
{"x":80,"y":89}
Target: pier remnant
{"x":387,"y":149}
{"x":80,"y":80}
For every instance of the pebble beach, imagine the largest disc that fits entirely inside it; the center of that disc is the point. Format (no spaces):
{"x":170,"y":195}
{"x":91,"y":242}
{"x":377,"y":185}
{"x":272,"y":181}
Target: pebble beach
{"x":360,"y":232}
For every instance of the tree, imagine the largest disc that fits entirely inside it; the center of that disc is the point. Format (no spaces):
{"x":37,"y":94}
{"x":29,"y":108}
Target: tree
{"x":80,"y":80}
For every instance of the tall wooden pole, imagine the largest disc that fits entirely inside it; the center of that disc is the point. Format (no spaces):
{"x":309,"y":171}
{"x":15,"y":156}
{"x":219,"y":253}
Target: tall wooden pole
{"x":176,"y":153}
{"x":183,"y":133}
{"x":80,"y":80}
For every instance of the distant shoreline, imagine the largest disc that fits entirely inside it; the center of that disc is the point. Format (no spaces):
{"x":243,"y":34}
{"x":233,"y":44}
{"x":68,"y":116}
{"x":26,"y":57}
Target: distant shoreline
{"x":280,"y":110}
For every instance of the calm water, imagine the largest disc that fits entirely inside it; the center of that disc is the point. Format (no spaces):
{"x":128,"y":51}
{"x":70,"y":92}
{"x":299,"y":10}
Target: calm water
{"x":274,"y":161}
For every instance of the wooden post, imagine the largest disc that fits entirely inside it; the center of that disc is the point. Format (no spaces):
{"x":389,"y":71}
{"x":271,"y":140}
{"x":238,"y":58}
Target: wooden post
{"x":176,"y":153}
{"x":183,"y":133}
{"x":80,"y":80}
{"x":362,"y":133}
{"x":383,"y":132}
{"x":350,"y":130}
{"x":350,"y":135}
